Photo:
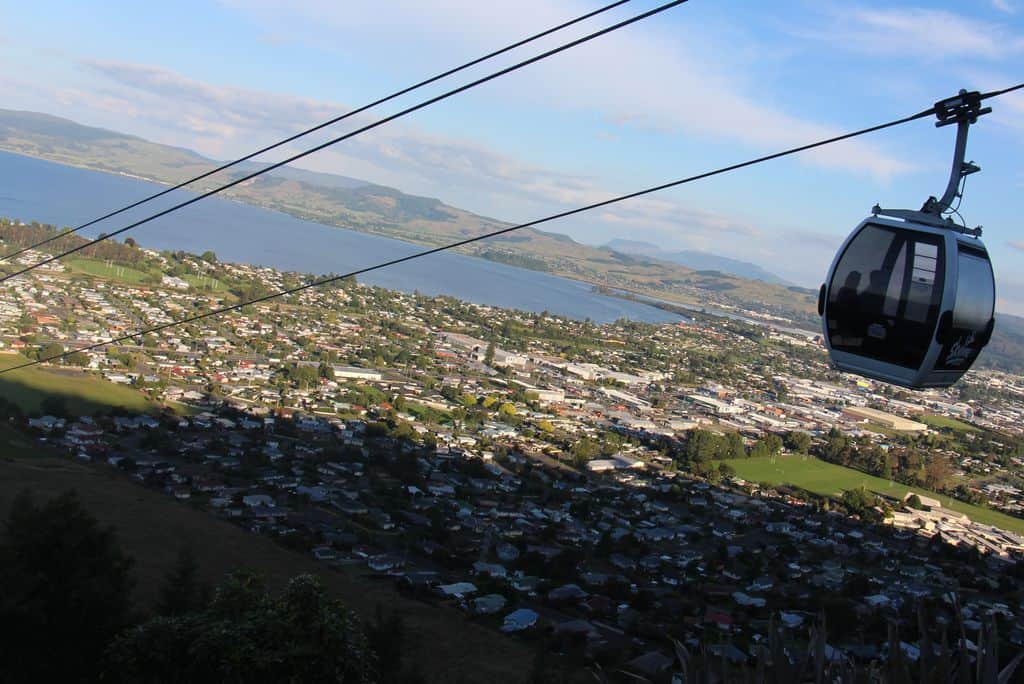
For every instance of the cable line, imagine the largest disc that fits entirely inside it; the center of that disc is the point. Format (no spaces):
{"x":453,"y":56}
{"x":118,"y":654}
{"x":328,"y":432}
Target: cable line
{"x":334,"y":141}
{"x":325,"y":124}
{"x":427,"y":252}
{"x":1004,"y":91}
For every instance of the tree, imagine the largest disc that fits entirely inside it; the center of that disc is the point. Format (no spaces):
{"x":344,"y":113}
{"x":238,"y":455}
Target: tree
{"x":585,"y":450}
{"x":182,"y":591}
{"x":915,"y":502}
{"x":704,"y":446}
{"x":78,"y":359}
{"x":303,"y":376}
{"x":489,"y":354}
{"x":726,"y":470}
{"x":52,"y":351}
{"x":66,"y":591}
{"x":769,"y":445}
{"x":735,"y":447}
{"x":936,"y":472}
{"x":798,"y":441}
{"x":209,"y":257}
{"x":247,"y":635}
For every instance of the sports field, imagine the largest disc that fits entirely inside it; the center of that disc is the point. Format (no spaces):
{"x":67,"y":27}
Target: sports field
{"x":828,"y":479}
{"x":101,"y":269}
{"x":204,"y":282}
{"x":82,"y":392}
{"x":940,"y":422}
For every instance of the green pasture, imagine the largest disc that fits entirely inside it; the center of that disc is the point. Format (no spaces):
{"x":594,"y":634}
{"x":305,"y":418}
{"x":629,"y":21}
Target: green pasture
{"x":828,"y":479}
{"x":82,"y":392}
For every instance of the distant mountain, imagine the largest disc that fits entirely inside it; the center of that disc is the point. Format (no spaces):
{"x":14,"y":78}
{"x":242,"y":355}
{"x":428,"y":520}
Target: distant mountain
{"x":49,"y":136}
{"x":699,"y":261}
{"x":1006,"y":349}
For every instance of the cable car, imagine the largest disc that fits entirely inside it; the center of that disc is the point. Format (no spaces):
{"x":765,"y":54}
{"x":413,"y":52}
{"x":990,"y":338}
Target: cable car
{"x":910,"y":296}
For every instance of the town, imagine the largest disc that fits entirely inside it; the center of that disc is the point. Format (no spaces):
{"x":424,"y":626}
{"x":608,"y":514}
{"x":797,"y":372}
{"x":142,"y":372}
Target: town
{"x":607,"y":483}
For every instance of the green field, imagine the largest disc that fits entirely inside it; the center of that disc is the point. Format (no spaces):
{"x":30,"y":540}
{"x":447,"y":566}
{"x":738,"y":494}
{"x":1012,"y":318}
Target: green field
{"x":204,"y":282}
{"x":101,"y":269}
{"x":83,"y":393}
{"x":827,"y":479}
{"x":940,"y":422}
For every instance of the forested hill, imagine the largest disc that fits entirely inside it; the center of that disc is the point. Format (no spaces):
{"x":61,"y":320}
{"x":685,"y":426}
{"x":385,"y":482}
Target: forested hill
{"x":1006,"y":350}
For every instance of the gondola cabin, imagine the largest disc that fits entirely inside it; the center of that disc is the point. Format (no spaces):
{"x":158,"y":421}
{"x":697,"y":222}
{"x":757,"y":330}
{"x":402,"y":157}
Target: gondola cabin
{"x":908,"y":303}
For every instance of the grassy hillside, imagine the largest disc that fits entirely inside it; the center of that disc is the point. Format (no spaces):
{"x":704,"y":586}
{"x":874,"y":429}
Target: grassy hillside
{"x":84,"y":394}
{"x":13,"y":444}
{"x":828,"y":479}
{"x":153,"y":527}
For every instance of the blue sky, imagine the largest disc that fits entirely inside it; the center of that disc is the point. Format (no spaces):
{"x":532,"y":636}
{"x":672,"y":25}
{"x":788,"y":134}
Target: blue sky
{"x":709,"y":83}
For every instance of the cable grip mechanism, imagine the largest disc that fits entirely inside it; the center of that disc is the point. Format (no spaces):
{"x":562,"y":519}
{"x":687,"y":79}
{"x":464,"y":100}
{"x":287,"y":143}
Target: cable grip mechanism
{"x":963,"y":110}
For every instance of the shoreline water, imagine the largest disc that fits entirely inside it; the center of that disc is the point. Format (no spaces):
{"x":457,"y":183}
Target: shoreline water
{"x":62,"y":194}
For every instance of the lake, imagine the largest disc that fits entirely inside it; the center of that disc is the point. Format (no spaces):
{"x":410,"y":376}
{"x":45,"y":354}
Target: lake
{"x":37,"y":190}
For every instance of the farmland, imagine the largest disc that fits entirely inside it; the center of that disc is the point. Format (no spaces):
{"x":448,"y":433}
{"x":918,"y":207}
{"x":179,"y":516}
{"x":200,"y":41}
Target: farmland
{"x":828,"y":479}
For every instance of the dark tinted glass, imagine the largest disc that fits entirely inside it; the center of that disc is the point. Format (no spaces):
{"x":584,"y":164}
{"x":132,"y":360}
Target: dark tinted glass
{"x":885,"y":294}
{"x":975,"y":304}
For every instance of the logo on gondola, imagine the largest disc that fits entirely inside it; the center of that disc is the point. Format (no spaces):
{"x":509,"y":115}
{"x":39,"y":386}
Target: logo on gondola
{"x":961,"y":350}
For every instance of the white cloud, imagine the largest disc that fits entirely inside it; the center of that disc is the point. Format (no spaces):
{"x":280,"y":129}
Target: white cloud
{"x":928,"y":34}
{"x":223,"y":122}
{"x":639,"y":77}
{"x":1004,"y":6}
{"x":235,"y":120}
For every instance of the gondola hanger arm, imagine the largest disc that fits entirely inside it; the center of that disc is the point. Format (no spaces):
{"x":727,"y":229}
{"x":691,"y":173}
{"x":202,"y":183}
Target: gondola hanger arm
{"x":963,"y":110}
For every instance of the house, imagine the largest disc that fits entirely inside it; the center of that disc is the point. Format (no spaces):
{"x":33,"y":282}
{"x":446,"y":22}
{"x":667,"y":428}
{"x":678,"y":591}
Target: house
{"x":383,"y":563}
{"x":567,"y":592}
{"x":489,"y":604}
{"x":749,"y":601}
{"x":492,"y":569}
{"x":519,"y":620}
{"x":254,"y":500}
{"x":46,"y":423}
{"x":456,"y":590}
{"x":324,"y":553}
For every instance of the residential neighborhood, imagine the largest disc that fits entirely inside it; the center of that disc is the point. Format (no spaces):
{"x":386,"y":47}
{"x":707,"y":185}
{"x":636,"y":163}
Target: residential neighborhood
{"x":543,"y":474}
